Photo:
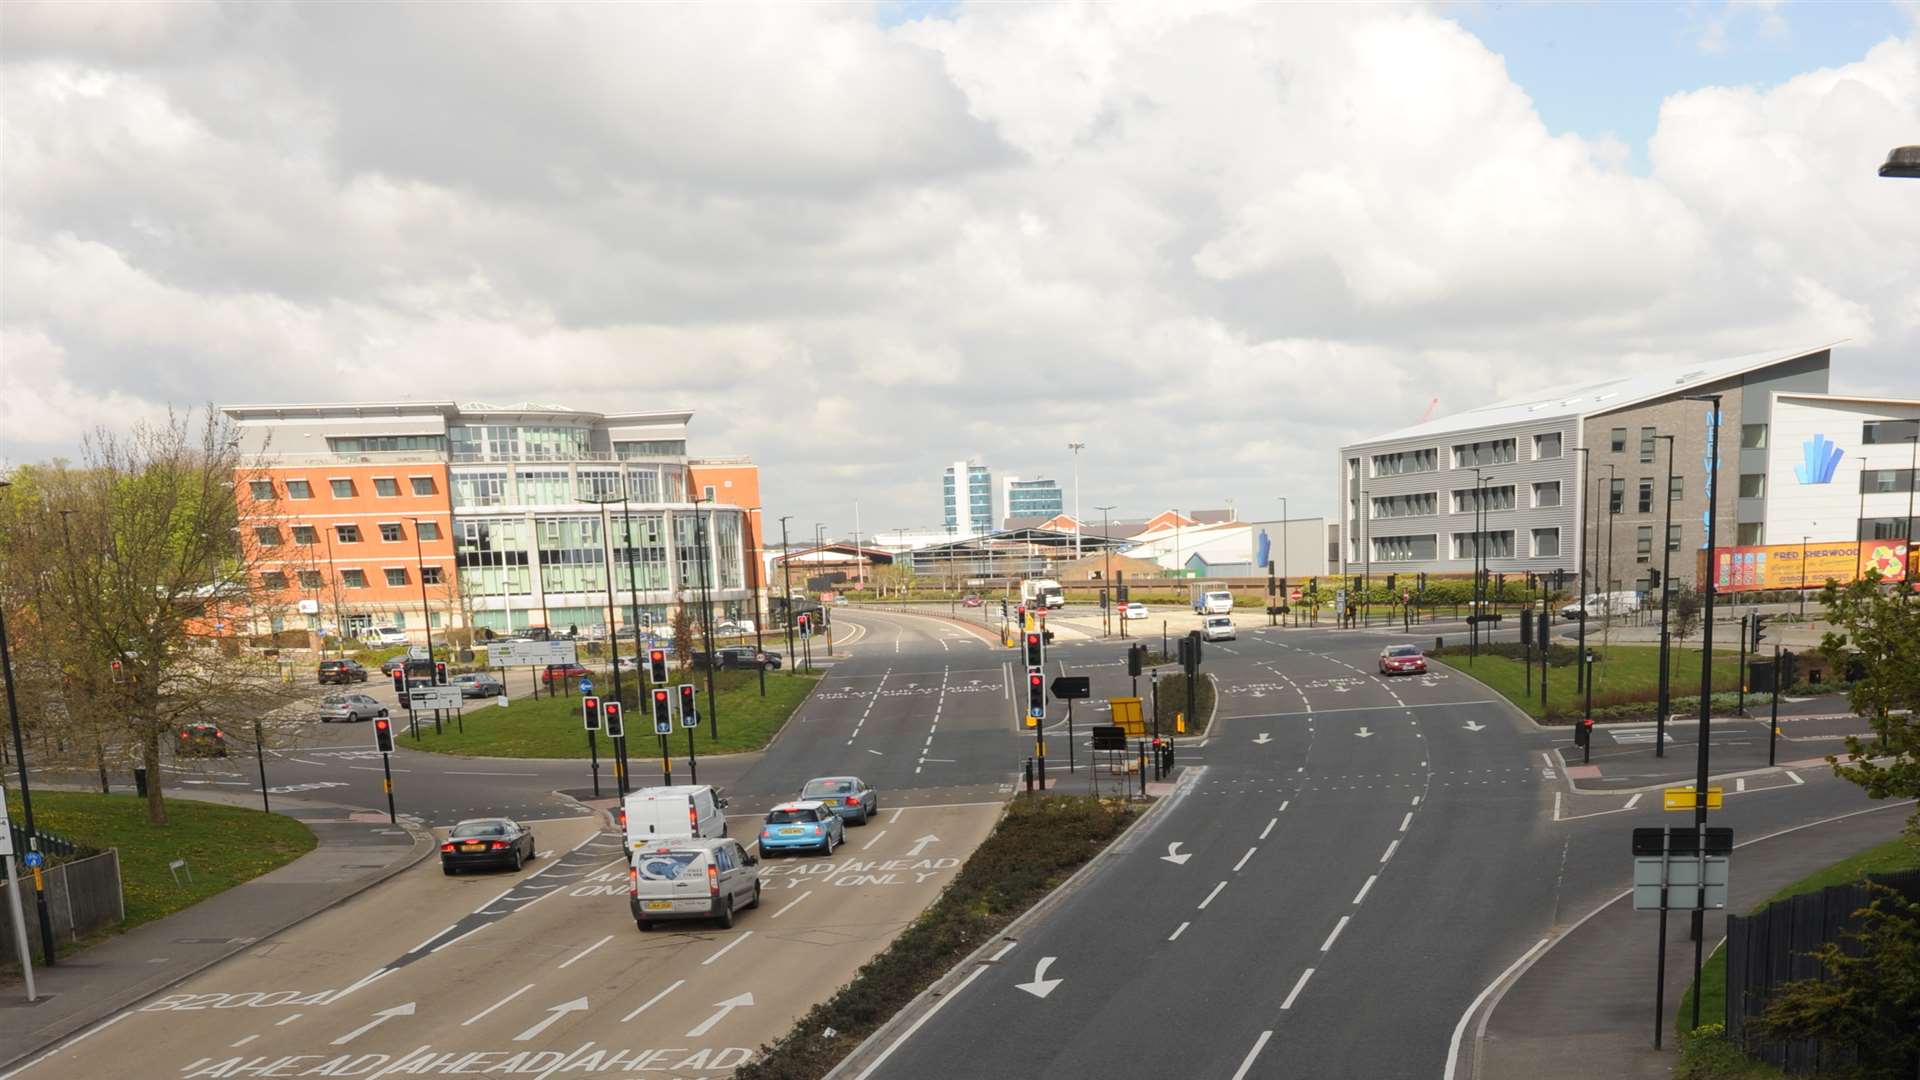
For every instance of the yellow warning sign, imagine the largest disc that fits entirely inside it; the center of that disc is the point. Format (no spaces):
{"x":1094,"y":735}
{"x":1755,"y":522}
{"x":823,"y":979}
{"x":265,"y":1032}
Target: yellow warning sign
{"x":1683,"y":798}
{"x":1126,"y":715}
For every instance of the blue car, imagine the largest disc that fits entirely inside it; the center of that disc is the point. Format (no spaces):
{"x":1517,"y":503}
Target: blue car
{"x":805,"y":826}
{"x":847,"y":796}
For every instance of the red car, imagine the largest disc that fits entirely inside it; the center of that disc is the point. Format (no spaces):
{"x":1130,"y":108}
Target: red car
{"x":1402,"y":660}
{"x":554,"y":673}
{"x":971,"y":601}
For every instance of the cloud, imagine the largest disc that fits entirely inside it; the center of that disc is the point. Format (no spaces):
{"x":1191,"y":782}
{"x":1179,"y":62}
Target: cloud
{"x":1210,"y":241}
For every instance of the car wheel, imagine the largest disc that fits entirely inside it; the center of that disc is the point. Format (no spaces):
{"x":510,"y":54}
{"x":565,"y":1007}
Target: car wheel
{"x":644,"y":925}
{"x":519,"y":860}
{"x":726,"y":913}
{"x":326,"y":719}
{"x":755,"y":902}
{"x":447,"y":869}
{"x":863,"y":818}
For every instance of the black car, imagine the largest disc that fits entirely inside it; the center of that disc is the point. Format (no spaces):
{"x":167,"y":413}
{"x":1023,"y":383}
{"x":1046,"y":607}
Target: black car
{"x":740,"y":656}
{"x":412,"y":682}
{"x":200,"y":740}
{"x":391,"y":665}
{"x":342,"y":671}
{"x":486,"y":842}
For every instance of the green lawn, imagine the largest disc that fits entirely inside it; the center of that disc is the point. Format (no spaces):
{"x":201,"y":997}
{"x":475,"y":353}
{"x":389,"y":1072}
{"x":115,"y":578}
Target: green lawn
{"x":223,"y":845}
{"x":550,"y":727}
{"x":1624,"y":673}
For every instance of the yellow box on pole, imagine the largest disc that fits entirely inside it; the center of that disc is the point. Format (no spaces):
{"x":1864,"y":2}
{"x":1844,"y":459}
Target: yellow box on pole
{"x":1683,"y":798}
{"x":1127,"y":715}
{"x":1040,"y":748}
{"x":1180,"y":723}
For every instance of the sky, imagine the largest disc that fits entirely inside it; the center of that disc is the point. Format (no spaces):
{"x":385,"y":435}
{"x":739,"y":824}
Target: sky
{"x":1210,"y":241}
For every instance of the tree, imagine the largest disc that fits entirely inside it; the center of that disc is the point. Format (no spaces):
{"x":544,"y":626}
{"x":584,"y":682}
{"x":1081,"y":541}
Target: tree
{"x":683,"y":635}
{"x":1877,"y":634}
{"x":1687,"y":605}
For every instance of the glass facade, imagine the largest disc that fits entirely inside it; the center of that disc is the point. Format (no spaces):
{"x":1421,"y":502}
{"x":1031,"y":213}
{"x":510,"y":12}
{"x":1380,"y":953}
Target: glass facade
{"x":479,"y":488}
{"x":648,"y":448}
{"x":542,"y":487}
{"x":572,"y":554}
{"x":492,"y":556}
{"x":641,"y":548}
{"x":387,"y":444}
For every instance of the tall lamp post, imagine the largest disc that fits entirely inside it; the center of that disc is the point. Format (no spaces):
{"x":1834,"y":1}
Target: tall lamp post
{"x":613,"y":635}
{"x":1106,"y":576}
{"x":1479,"y":550}
{"x":1706,"y":674}
{"x":1366,"y":547}
{"x":1803,"y":576}
{"x":1903,"y":162}
{"x":1076,"y":447}
{"x":1666,"y":590}
{"x":26,"y":789}
{"x":702,"y":535}
{"x":1586,"y":583}
{"x":786,"y":571}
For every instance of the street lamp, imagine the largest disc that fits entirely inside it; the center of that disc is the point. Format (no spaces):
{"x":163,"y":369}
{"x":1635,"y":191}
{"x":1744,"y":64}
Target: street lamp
{"x":1283,"y":548}
{"x":1076,"y":447}
{"x":1666,"y":590}
{"x":26,"y":790}
{"x":1706,"y":669}
{"x":1586,"y":583}
{"x":1903,"y":162}
{"x":786,"y":572}
{"x":1106,"y":576}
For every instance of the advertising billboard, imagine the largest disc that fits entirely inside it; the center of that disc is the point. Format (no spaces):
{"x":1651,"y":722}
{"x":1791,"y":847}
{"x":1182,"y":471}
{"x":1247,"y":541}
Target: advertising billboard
{"x":1811,"y":566}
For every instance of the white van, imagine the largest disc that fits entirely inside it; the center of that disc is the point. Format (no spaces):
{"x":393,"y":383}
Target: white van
{"x":1604,"y":605}
{"x":1207,"y":601}
{"x":386,"y":635}
{"x":691,"y":878}
{"x":684,"y":810}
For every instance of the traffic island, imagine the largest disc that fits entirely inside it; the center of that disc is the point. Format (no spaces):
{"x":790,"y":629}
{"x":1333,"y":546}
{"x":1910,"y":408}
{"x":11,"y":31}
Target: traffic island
{"x":1626,"y":678}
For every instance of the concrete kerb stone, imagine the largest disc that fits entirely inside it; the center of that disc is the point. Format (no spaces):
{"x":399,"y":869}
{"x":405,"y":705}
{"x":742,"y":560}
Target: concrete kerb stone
{"x":884,"y":1035}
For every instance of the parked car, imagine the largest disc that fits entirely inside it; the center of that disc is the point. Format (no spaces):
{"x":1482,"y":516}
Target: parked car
{"x":478,"y":684}
{"x":1134,"y":610}
{"x":385,"y":635}
{"x":1402,"y":660}
{"x":486,"y":842}
{"x":200,"y":740}
{"x":559,"y":673}
{"x":627,"y":662}
{"x":847,"y":796}
{"x":692,"y":878}
{"x":972,"y":600}
{"x":342,"y":671}
{"x":349,"y":708}
{"x":1218,"y":628}
{"x":806,"y":825}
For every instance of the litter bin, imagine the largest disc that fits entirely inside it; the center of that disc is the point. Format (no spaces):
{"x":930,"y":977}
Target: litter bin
{"x":140,"y":781}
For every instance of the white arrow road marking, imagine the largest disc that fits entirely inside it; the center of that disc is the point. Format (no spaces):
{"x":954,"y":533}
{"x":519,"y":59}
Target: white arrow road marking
{"x":1041,"y":986}
{"x":1173,"y":854}
{"x":1262,"y":740}
{"x":379,"y":1018}
{"x":1475,"y":725}
{"x":724,"y":1008}
{"x":578,"y":1004}
{"x":1364,"y":733}
{"x":920,"y":845}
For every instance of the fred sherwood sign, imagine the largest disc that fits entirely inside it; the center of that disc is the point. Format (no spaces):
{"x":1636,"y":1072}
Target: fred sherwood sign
{"x":531,"y":653}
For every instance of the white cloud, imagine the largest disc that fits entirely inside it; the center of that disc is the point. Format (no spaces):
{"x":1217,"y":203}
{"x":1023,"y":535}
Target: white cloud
{"x":1210,"y":241}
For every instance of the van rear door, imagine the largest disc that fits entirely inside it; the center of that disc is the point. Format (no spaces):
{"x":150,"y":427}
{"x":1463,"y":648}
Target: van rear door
{"x":670,"y":878}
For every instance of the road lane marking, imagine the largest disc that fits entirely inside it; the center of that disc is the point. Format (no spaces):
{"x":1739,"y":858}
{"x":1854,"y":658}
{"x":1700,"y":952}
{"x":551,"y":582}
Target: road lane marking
{"x":554,"y":1013}
{"x":1406,"y":821}
{"x":875,"y":840}
{"x":1211,"y":895}
{"x":1337,"y":927}
{"x":583,"y":952}
{"x":654,"y":1000}
{"x":1297,"y":987}
{"x":1460,"y":1029}
{"x":1739,"y":784}
{"x":462,"y":937}
{"x":289,"y":1019}
{"x":1269,"y":828}
{"x":89,"y":1033}
{"x":242,"y":1042}
{"x":725,"y":949}
{"x":995,"y":958}
{"x":1244,"y":858}
{"x":1181,"y":929}
{"x":1795,"y":777}
{"x":1362,"y":894}
{"x":1631,"y":803}
{"x":913,"y":1027}
{"x":481,"y":1015}
{"x":1247,"y":1063}
{"x":1416,"y":800}
{"x":1390,"y":850}
{"x":792,"y":902}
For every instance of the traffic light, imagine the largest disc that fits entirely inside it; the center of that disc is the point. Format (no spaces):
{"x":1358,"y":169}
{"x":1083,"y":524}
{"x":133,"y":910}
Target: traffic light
{"x":439,"y":673}
{"x":689,"y":709}
{"x":400,"y":680}
{"x":616,"y":722}
{"x":590,"y":708}
{"x":1003,"y":607}
{"x":1036,"y":649}
{"x":1789,"y":670}
{"x":1136,"y":659}
{"x":1532,"y":582}
{"x":657,"y":665}
{"x":1423,"y":581}
{"x":1499,"y":584}
{"x":1036,"y":695}
{"x":1759,"y":633}
{"x":1390,"y":580}
{"x":1583,"y":733}
{"x":1526,"y":631}
{"x":1313,"y":586}
{"x":383,"y":734}
{"x":662,"y":711}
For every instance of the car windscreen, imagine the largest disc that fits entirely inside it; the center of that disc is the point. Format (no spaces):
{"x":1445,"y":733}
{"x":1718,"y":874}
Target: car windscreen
{"x":789,"y":817}
{"x":1404,"y":650}
{"x":819,"y":788}
{"x":480,"y":828}
{"x":665,"y":865}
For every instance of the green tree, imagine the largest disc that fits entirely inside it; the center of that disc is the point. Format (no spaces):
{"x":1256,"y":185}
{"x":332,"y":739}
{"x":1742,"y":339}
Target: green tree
{"x":1878,"y":633}
{"x":683,"y":628}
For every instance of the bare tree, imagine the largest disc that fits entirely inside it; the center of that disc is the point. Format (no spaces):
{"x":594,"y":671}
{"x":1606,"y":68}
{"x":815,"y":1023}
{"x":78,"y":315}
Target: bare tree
{"x":683,"y":634}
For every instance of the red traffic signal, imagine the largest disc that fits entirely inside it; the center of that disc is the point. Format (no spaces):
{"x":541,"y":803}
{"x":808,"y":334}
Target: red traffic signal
{"x":662,"y":716}
{"x":590,"y":709}
{"x":439,"y":673}
{"x":657,"y":665}
{"x":383,"y":734}
{"x":689,"y":712}
{"x":615,"y":728}
{"x":400,"y":680}
{"x":1035,"y":649}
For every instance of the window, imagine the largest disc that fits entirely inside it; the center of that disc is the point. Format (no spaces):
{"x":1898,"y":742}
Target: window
{"x":266,"y":535}
{"x":274,"y":580}
{"x":1490,"y":544}
{"x":1618,"y":440}
{"x":299,"y":489}
{"x":1547,"y":494}
{"x":1403,"y":548}
{"x":1488,"y":498}
{"x":1881,"y":481}
{"x":1753,"y":485}
{"x":1490,"y":452}
{"x":543,"y":487}
{"x":396,"y":575}
{"x":1753,"y":436}
{"x":386,"y":487}
{"x":422,"y":485}
{"x":599,"y":485}
{"x":305,"y":535}
{"x":1616,"y":495}
{"x":386,"y":444}
{"x":262,"y":490}
{"x":430,"y":575}
{"x":1399,"y":506}
{"x":391,"y":532}
{"x":651,"y":448}
{"x":1883,"y":528}
{"x":1546,"y":447}
{"x":1407,"y":461}
{"x":310,"y":579}
{"x":1646,"y":495}
{"x":479,"y":488}
{"x":1646,"y":443}
{"x":354,"y":579}
{"x":709,"y":492}
{"x":1888,"y":431}
{"x":1673,"y":538}
{"x":1676,"y":489}
{"x":1748,"y":533}
{"x":426,"y":530}
{"x":347,"y":534}
{"x":1546,"y":543}
{"x":1643,"y":543}
{"x":342,"y":488}
{"x":644,"y":484}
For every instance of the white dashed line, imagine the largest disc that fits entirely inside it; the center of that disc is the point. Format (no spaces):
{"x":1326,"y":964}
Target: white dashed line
{"x":1297,"y":987}
{"x":1181,"y":929}
{"x":1362,"y":894}
{"x":1337,"y":927}
{"x":1244,"y":858}
{"x":1211,"y":895}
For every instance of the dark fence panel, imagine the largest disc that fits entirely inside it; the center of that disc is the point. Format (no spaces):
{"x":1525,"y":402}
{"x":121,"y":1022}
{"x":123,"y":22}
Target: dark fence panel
{"x":1772,"y":947}
{"x":82,"y":896}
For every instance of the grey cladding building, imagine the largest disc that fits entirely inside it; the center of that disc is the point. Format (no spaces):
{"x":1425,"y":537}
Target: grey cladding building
{"x":1409,"y":496}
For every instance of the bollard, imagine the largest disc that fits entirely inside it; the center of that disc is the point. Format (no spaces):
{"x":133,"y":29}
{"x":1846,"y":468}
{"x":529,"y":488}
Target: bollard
{"x":1029,"y":771}
{"x":1439,"y":643}
{"x":140,"y":781}
{"x":1143,"y":770}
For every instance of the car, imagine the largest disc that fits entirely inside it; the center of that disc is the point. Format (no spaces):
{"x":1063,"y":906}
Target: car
{"x":200,"y":740}
{"x":391,"y":665}
{"x":385,"y":635}
{"x":971,"y":601}
{"x":847,"y":796}
{"x":691,"y":878}
{"x":349,"y":708}
{"x":805,"y":825}
{"x":1217,"y":628}
{"x":739,"y":656}
{"x":628,"y":662}
{"x":1134,"y":610}
{"x":557,"y":673}
{"x":1402,"y":660}
{"x":478,"y":684}
{"x":417,"y":680}
{"x":486,"y":842}
{"x":342,"y":671}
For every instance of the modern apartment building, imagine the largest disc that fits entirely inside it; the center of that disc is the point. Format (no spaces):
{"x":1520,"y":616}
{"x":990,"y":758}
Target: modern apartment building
{"x":1410,"y":497}
{"x":1030,"y":498}
{"x":434,"y":514}
{"x":967,"y":490}
{"x":1837,"y":468}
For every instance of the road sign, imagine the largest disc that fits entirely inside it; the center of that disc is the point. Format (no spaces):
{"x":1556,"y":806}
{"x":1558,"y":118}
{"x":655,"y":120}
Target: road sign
{"x":1126,"y":715}
{"x":532,"y":653}
{"x":1109,"y":737}
{"x":34,"y":860}
{"x":6,"y":828}
{"x":1293,"y":595}
{"x":418,"y":652}
{"x":1678,"y":868}
{"x":1682,"y":798}
{"x":434,"y":697}
{"x":1072,"y":687}
{"x":586,"y":686}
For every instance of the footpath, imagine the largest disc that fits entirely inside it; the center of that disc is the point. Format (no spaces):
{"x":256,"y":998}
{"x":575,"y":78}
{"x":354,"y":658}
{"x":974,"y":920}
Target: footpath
{"x":356,"y":849}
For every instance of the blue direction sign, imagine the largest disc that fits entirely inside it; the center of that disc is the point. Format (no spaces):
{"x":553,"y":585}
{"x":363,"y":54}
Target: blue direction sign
{"x":586,"y":686}
{"x":35,"y":859}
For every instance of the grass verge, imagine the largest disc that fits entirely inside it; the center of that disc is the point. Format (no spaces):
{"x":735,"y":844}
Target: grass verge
{"x":550,"y":727}
{"x":1036,"y":846}
{"x":1623,"y":675}
{"x":223,"y":845}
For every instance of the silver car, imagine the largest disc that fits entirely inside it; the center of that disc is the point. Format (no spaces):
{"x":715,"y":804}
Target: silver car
{"x":349,"y":708}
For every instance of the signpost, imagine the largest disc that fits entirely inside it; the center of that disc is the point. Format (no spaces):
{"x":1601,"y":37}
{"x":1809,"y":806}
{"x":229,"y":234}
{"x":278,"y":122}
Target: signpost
{"x":1127,"y":715}
{"x":1070,"y":688}
{"x":13,"y":897}
{"x":1684,"y":798}
{"x":1696,"y":861}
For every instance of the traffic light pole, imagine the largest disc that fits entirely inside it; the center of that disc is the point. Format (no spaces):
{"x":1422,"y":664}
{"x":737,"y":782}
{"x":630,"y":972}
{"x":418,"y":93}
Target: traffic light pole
{"x":693,"y":758}
{"x":593,"y":752}
{"x":666,"y":763}
{"x":260,"y":758}
{"x":1773,"y":721}
{"x":1666,"y":591}
{"x":1706,"y":684}
{"x":386,"y":767}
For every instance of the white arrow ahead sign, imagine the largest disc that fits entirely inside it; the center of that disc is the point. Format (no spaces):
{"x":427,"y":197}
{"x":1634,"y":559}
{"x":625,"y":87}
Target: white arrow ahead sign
{"x":725,"y":1007}
{"x":1262,"y":740}
{"x":1364,"y":733}
{"x":1173,"y":854}
{"x":578,"y":1004}
{"x":379,"y":1018}
{"x":921,"y":845}
{"x":1475,"y":725}
{"x":1041,"y":986}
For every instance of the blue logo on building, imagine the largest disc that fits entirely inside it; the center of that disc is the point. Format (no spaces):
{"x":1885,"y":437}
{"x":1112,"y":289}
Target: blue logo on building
{"x":1263,"y":550}
{"x":1819,"y":457}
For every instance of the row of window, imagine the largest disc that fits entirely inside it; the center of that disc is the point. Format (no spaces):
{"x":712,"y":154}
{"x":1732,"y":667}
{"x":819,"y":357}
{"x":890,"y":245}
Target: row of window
{"x":342,"y":487}
{"x":1465,"y":455}
{"x":552,"y":487}
{"x":353,"y":578}
{"x":1496,"y":544}
{"x":1545,"y":494}
{"x":391,"y":532}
